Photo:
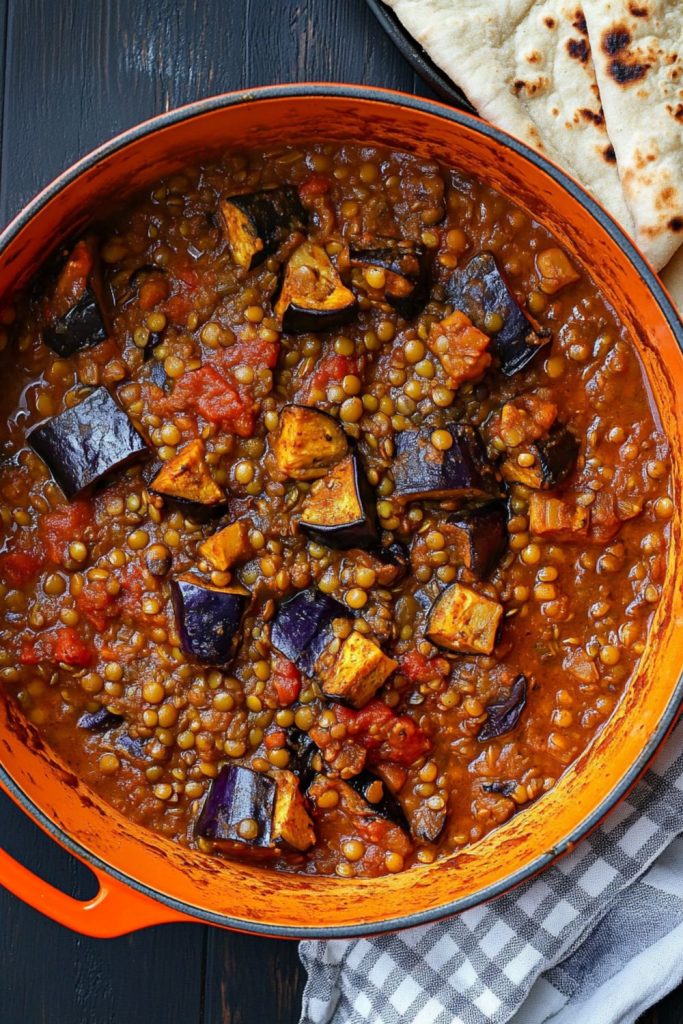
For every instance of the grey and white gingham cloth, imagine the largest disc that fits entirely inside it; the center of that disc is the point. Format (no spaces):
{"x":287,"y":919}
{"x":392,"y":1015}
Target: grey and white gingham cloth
{"x":597,"y":938}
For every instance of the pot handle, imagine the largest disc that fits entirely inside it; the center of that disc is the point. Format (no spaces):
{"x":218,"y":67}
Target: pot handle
{"x":115,"y":910}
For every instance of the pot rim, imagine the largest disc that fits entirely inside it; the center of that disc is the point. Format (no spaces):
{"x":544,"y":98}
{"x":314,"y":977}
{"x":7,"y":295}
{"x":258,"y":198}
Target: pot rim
{"x":391,"y":98}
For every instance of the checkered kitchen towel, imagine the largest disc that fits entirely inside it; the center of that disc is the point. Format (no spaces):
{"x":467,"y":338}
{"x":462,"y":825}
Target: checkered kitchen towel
{"x":596,"y":939}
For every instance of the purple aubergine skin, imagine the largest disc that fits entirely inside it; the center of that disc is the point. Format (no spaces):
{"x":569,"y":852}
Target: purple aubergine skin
{"x":274,"y":214}
{"x":505,"y":714}
{"x":362,"y":532}
{"x":486,"y":534}
{"x":463,"y":470}
{"x":100,"y":720}
{"x":556,"y":455}
{"x":238,"y":793}
{"x":301,"y":320}
{"x":83,"y":326}
{"x":207,"y":620}
{"x":83,"y":444}
{"x":388,"y":807}
{"x":391,"y":255}
{"x":302,"y":626}
{"x":480,"y":289}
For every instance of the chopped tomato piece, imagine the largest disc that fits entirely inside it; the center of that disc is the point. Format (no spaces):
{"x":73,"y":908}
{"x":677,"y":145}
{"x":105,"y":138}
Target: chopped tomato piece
{"x":59,"y":528}
{"x":384,"y":734}
{"x":278,"y":738}
{"x":287,"y":682}
{"x":74,"y":277}
{"x":97,"y":604}
{"x":315,"y":185}
{"x":18,"y":567}
{"x":177,"y":308}
{"x":68,"y":647}
{"x":255,"y":353}
{"x":333,"y":368}
{"x":29,"y":653}
{"x":420,"y":669}
{"x":211,"y":396}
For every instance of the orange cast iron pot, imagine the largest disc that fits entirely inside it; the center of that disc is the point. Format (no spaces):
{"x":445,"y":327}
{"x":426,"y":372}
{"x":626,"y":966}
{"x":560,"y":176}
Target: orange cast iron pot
{"x":146,"y":879}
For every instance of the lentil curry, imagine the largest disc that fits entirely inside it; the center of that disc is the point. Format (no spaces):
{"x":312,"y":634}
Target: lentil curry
{"x":334,"y":510}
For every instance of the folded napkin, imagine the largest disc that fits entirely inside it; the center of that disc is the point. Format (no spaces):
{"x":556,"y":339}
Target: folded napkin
{"x":597,"y":938}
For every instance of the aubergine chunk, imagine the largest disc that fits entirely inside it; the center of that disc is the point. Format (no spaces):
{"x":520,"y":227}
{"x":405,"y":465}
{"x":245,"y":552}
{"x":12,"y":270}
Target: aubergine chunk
{"x":340,"y":510}
{"x":228,"y":546}
{"x":291,"y":821}
{"x":406,"y":265}
{"x":302,"y":753}
{"x":481,"y":292}
{"x":258,"y":223}
{"x":354,"y":674}
{"x":313,"y":296}
{"x":481,"y":536}
{"x":78,"y":311}
{"x":376,"y":793}
{"x":207,"y":617}
{"x":464,"y":621}
{"x":85,"y":443}
{"x":100,"y":720}
{"x":308,"y":442}
{"x":352,"y":814}
{"x":556,"y":519}
{"x":238,"y":810}
{"x":186,"y":477}
{"x":554,"y":458}
{"x":302,"y":627}
{"x":462,"y":472}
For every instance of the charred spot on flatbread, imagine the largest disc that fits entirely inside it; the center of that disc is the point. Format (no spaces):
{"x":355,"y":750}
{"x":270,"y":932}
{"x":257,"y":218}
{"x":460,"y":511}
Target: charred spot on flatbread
{"x":609,"y":155}
{"x":638,"y":11}
{"x":595,"y":117}
{"x":615,"y":40}
{"x":578,"y":49}
{"x":550,"y":22}
{"x":624,"y":73}
{"x":622,"y":70}
{"x":579,"y":22}
{"x":676,"y":223}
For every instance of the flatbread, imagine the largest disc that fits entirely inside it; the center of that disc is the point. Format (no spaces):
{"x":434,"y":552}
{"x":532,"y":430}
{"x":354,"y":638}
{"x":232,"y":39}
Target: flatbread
{"x":526,"y":66}
{"x":637,"y":48}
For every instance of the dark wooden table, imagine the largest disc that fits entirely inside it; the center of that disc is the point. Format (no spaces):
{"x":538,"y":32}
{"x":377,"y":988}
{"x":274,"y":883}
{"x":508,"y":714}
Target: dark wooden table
{"x":75,"y":73}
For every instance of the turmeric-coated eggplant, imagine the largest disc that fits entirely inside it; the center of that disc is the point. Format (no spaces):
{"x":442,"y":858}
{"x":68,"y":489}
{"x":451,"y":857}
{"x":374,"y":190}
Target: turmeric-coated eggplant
{"x":186,"y":478}
{"x":258,"y":223}
{"x":462,"y":471}
{"x":339,"y":510}
{"x":481,"y":292}
{"x":355,"y":673}
{"x":308,"y":442}
{"x":464,"y":621}
{"x":313,"y":296}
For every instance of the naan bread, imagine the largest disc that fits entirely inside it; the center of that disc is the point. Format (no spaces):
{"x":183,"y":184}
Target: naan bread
{"x":526,"y":66}
{"x":637,"y":49}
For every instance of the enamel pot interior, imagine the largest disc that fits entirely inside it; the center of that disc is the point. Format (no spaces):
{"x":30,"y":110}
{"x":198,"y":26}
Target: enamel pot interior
{"x":252,"y":898}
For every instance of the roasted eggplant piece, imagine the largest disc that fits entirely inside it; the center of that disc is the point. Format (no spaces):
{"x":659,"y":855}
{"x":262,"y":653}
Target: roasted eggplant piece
{"x":229,"y":545}
{"x":554,"y":459}
{"x":100,"y":720}
{"x":427,"y":823}
{"x":302,"y":627}
{"x":464,"y":621}
{"x":186,"y":478}
{"x":354,"y":675}
{"x":481,"y":292}
{"x":405,"y":284}
{"x":79,"y":312}
{"x":207,"y":617}
{"x":376,"y":794}
{"x":238,"y":810}
{"x":302,"y":751}
{"x":257,"y":224}
{"x":340,"y":510}
{"x":85,"y":443}
{"x":462,"y":472}
{"x":313,"y":296}
{"x":308,"y":442}
{"x":481,"y":536}
{"x":291,"y":821}
{"x":556,"y":519}
{"x":504,"y":715}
